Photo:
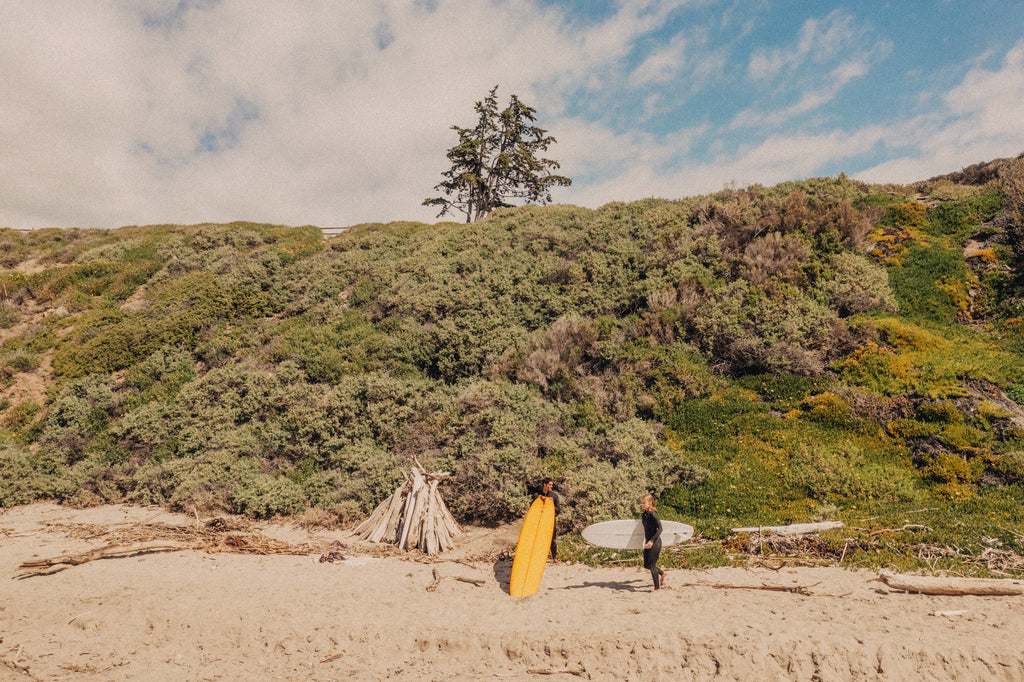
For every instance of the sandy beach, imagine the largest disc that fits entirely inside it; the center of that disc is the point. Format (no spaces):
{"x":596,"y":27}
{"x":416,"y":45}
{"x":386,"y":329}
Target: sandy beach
{"x":198,"y":615}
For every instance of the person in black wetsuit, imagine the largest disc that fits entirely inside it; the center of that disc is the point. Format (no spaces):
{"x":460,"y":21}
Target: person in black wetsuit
{"x":548,"y":490}
{"x":652,"y":537}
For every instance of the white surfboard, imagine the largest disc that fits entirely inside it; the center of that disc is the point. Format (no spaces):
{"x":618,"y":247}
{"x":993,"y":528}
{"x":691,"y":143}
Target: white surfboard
{"x":629,"y":534}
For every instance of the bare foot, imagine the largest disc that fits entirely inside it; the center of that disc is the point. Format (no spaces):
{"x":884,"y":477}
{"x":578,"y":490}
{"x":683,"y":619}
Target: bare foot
{"x":663,"y":574}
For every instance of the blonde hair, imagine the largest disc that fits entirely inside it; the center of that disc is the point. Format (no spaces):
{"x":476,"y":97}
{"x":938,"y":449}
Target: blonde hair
{"x":648,"y":500}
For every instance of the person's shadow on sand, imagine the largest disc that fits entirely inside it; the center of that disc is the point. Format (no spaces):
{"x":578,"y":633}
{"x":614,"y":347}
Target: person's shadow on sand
{"x":621,"y":586}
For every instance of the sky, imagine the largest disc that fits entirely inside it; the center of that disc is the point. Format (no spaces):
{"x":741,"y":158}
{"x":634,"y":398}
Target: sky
{"x":334,"y":113}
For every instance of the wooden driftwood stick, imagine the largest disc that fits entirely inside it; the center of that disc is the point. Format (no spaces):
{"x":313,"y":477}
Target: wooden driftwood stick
{"x":795,"y":589}
{"x":556,"y":671}
{"x":952,"y":586}
{"x":438,"y":578}
{"x":792,"y":529}
{"x":471,"y":581}
{"x":437,"y":581}
{"x":57,"y":564}
{"x":388,"y":530}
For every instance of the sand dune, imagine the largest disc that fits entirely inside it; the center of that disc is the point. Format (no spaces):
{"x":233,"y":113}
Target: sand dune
{"x":193,"y":615}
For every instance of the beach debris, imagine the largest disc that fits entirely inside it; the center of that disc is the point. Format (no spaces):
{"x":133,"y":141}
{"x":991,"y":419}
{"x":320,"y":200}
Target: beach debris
{"x":578,"y":672}
{"x":950,"y":613}
{"x":60,"y":563}
{"x":332,"y":557}
{"x":808,"y":549}
{"x":432,"y":587}
{"x":792,"y":529}
{"x":952,"y":586}
{"x":217,"y":535}
{"x":906,"y":526}
{"x":805,"y":590}
{"x":414,"y":516}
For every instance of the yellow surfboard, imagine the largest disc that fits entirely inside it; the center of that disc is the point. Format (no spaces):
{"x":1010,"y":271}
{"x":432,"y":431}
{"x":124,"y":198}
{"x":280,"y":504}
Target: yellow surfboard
{"x":533,"y":548}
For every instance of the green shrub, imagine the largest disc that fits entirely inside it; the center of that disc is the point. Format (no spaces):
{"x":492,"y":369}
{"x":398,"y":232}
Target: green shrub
{"x":911,"y":428}
{"x":18,"y":479}
{"x":829,"y":475}
{"x":943,"y":411}
{"x":1011,"y":465}
{"x":828,"y":408}
{"x":21,"y":361}
{"x":205,"y":483}
{"x":365,"y":291}
{"x":784,"y":391}
{"x":668,"y":374}
{"x":949,"y":468}
{"x":108,"y":339}
{"x":857,"y":286}
{"x":910,"y":214}
{"x":263,"y":496}
{"x":773,"y":255}
{"x":12,"y":247}
{"x":21,"y":414}
{"x":955,"y":220}
{"x":80,"y":412}
{"x":26,"y":477}
{"x":218,"y":351}
{"x":924,"y":282}
{"x":9,"y":316}
{"x":878,"y":369}
{"x":965,"y":438}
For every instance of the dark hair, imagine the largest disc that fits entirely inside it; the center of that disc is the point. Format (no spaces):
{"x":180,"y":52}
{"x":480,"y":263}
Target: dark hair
{"x":545,"y":481}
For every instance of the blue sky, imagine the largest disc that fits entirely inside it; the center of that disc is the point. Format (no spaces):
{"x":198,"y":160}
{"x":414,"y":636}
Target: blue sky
{"x":331,"y":113}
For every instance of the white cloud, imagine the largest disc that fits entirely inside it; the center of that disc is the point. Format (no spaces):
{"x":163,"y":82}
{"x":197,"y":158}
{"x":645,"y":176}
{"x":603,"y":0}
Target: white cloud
{"x":993,"y":101}
{"x":663,"y":65}
{"x":809,"y":101}
{"x":315,"y":112}
{"x":981,"y":121}
{"x":118,"y":112}
{"x":801,"y":71}
{"x":818,"y":40}
{"x":221,"y":111}
{"x":777,"y":159}
{"x":590,"y":149}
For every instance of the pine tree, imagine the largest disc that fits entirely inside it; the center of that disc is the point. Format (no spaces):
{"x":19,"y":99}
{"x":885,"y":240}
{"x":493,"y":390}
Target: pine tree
{"x":497,"y":161}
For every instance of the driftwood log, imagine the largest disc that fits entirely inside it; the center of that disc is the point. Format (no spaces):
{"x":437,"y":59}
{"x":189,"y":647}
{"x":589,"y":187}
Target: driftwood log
{"x":792,"y":529}
{"x":952,"y":586}
{"x":794,"y":589}
{"x":414,"y":517}
{"x":56,"y":564}
{"x":140,"y":539}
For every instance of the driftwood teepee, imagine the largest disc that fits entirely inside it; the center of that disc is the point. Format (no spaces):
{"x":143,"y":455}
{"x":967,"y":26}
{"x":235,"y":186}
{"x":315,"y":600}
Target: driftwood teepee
{"x":414,"y":516}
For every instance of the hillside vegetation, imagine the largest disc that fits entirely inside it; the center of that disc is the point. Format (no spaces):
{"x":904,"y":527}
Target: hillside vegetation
{"x":812,"y":350}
